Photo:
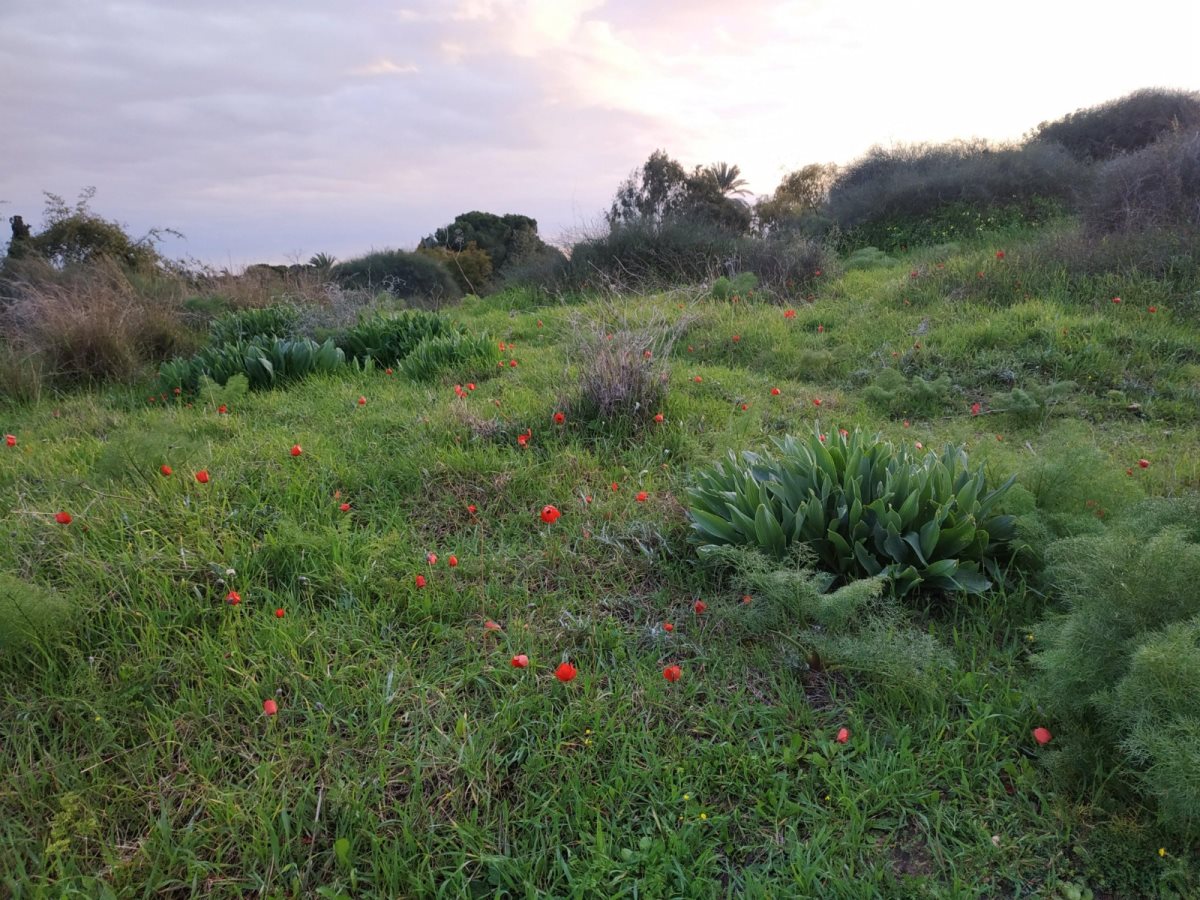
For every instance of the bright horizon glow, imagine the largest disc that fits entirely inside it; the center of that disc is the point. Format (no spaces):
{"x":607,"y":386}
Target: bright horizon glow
{"x":270,"y":132}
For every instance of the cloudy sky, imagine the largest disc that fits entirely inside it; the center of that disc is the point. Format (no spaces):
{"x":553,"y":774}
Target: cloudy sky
{"x":273,"y":129}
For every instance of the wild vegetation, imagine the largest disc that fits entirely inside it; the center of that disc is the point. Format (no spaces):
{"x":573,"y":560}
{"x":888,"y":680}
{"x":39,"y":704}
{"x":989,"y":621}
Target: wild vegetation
{"x":726,"y":555}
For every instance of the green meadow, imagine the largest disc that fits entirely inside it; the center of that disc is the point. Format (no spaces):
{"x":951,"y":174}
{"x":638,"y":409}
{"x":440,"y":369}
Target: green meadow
{"x":408,"y":757}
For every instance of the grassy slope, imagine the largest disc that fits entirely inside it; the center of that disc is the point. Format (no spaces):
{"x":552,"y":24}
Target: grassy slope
{"x":139,"y":754}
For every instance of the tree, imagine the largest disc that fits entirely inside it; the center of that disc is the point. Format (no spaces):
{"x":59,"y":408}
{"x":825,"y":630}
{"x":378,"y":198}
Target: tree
{"x":801,"y":193}
{"x":505,"y":239}
{"x":727,"y":179}
{"x":75,"y":235}
{"x":658,"y":193}
{"x":663,"y":191}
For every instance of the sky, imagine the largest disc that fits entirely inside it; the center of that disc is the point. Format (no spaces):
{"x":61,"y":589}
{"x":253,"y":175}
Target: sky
{"x":272,"y":130}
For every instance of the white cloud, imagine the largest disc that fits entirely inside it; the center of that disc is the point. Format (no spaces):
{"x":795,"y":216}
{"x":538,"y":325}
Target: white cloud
{"x":387,"y":67}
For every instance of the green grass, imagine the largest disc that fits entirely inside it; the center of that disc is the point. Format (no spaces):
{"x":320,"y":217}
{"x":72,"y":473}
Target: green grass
{"x":409,"y":758}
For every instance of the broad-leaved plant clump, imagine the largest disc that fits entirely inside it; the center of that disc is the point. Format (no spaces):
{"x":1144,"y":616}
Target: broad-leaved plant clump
{"x":261,"y":322}
{"x":865,"y":508}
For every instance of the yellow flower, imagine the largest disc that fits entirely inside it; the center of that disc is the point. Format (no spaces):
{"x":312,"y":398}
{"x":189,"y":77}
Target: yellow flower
{"x":687,"y":796}
{"x":703,"y":815}
{"x":1162,"y":851}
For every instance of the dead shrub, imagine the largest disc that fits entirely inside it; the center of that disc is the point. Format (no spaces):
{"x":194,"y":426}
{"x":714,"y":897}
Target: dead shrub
{"x":623,"y":378}
{"x":92,"y":322}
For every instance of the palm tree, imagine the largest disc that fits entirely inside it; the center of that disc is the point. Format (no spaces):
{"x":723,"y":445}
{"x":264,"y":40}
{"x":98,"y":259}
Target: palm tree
{"x":727,"y":178}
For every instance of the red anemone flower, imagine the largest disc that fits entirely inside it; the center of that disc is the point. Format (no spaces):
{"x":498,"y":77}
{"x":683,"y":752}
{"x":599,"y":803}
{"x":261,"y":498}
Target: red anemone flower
{"x":843,"y":735}
{"x":565,"y":672}
{"x":667,"y":626}
{"x":774,"y":392}
{"x":999,"y":254}
{"x":1116,"y":299}
{"x":976,"y":408}
{"x":1144,"y":463}
{"x":550,"y":514}
{"x":345,"y":507}
{"x":699,"y":606}
{"x":234,"y":598}
{"x":431,"y":558}
{"x":642,"y":497}
{"x":672,"y":673}
{"x":453,"y":560}
{"x":559,"y":418}
{"x":165,"y":469}
{"x":520,"y":661}
{"x":270,"y":707}
{"x":420,"y":581}
{"x":11,"y":440}
{"x":1042,"y":735}
{"x":297,"y":450}
{"x":789,"y":314}
{"x":222,"y":410}
{"x":658,"y":418}
{"x":279,"y":613}
{"x":489,"y":625}
{"x":362,"y":401}
{"x":62,"y":518}
{"x":202,"y":476}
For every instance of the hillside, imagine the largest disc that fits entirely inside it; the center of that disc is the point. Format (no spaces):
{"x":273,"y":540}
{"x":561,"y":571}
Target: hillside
{"x":407,"y":755}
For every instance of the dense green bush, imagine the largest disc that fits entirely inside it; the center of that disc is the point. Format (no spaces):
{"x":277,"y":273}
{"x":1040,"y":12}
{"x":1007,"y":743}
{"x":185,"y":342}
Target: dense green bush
{"x":546,"y":270}
{"x":470,"y":267}
{"x":1120,"y":666}
{"x":410,"y":275}
{"x":1156,"y":187}
{"x":1123,"y":125}
{"x":899,"y":396}
{"x":389,"y":339}
{"x":864,"y":507}
{"x":919,"y":194}
{"x":725,"y":288}
{"x":785,"y":265}
{"x":465,"y":356}
{"x":848,"y":628}
{"x":245,"y":324}
{"x":868,"y":258}
{"x":642,"y":255}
